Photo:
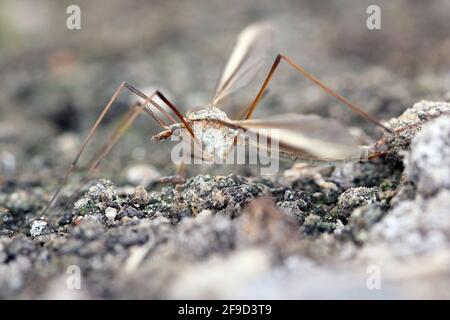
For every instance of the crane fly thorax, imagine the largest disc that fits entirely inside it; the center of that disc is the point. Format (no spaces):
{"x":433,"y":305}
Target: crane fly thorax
{"x":206,"y":113}
{"x":215,"y":138}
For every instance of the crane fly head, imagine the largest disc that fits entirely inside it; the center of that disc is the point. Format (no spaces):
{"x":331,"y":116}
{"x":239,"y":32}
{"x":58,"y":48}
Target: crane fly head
{"x":166,"y":134}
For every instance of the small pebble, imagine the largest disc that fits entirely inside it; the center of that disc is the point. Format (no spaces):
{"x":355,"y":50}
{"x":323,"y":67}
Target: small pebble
{"x":38,"y":228}
{"x":140,"y":196}
{"x":111,"y":213}
{"x":352,"y":199}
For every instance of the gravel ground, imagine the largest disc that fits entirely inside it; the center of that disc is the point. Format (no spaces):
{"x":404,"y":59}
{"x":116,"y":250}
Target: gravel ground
{"x":374,"y":229}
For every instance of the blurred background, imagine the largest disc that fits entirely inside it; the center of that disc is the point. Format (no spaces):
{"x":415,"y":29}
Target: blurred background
{"x":55,"y":81}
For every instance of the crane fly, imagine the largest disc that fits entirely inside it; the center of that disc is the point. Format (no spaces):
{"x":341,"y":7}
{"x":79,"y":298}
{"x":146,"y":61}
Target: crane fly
{"x":305,"y":137}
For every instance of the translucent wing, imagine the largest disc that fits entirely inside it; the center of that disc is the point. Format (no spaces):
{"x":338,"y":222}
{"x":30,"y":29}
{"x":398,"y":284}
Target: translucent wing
{"x":248,"y":56}
{"x":306,"y":136}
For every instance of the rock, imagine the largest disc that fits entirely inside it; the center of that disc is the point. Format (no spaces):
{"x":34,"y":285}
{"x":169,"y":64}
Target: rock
{"x":314,"y":225}
{"x":142,"y":175}
{"x":295,"y":203}
{"x":291,"y":208}
{"x":410,"y":123}
{"x":39,"y":228}
{"x":428,"y":162}
{"x":5,"y":216}
{"x":416,"y":226}
{"x":362,"y":219}
{"x":65,"y":219}
{"x":353,"y":198}
{"x":372,"y":173}
{"x":98,"y":197}
{"x":110,"y":213}
{"x":301,"y":198}
{"x":205,"y":235}
{"x":222,"y":195}
{"x":140,"y":197}
{"x":131,"y":212}
{"x":84,"y":206}
{"x":102,"y":191}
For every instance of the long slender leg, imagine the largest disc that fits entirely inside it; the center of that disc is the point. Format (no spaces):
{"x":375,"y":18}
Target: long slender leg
{"x":120,"y":129}
{"x":147,"y":110}
{"x":167,"y":102}
{"x":131,"y":115}
{"x":120,"y":125}
{"x":277,"y":61}
{"x":71,"y":168}
{"x":147,"y":99}
{"x":83,"y":146}
{"x":116,"y":130}
{"x":159,"y":120}
{"x":114,"y":139}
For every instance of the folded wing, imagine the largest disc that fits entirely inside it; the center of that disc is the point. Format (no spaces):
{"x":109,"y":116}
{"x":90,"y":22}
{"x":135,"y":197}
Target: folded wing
{"x":306,"y":136}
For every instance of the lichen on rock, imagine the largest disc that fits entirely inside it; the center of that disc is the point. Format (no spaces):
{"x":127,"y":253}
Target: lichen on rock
{"x":352,"y":199}
{"x":410,"y":122}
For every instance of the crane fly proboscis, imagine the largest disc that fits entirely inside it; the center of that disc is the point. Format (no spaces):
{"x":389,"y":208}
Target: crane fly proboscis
{"x":305,"y":137}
